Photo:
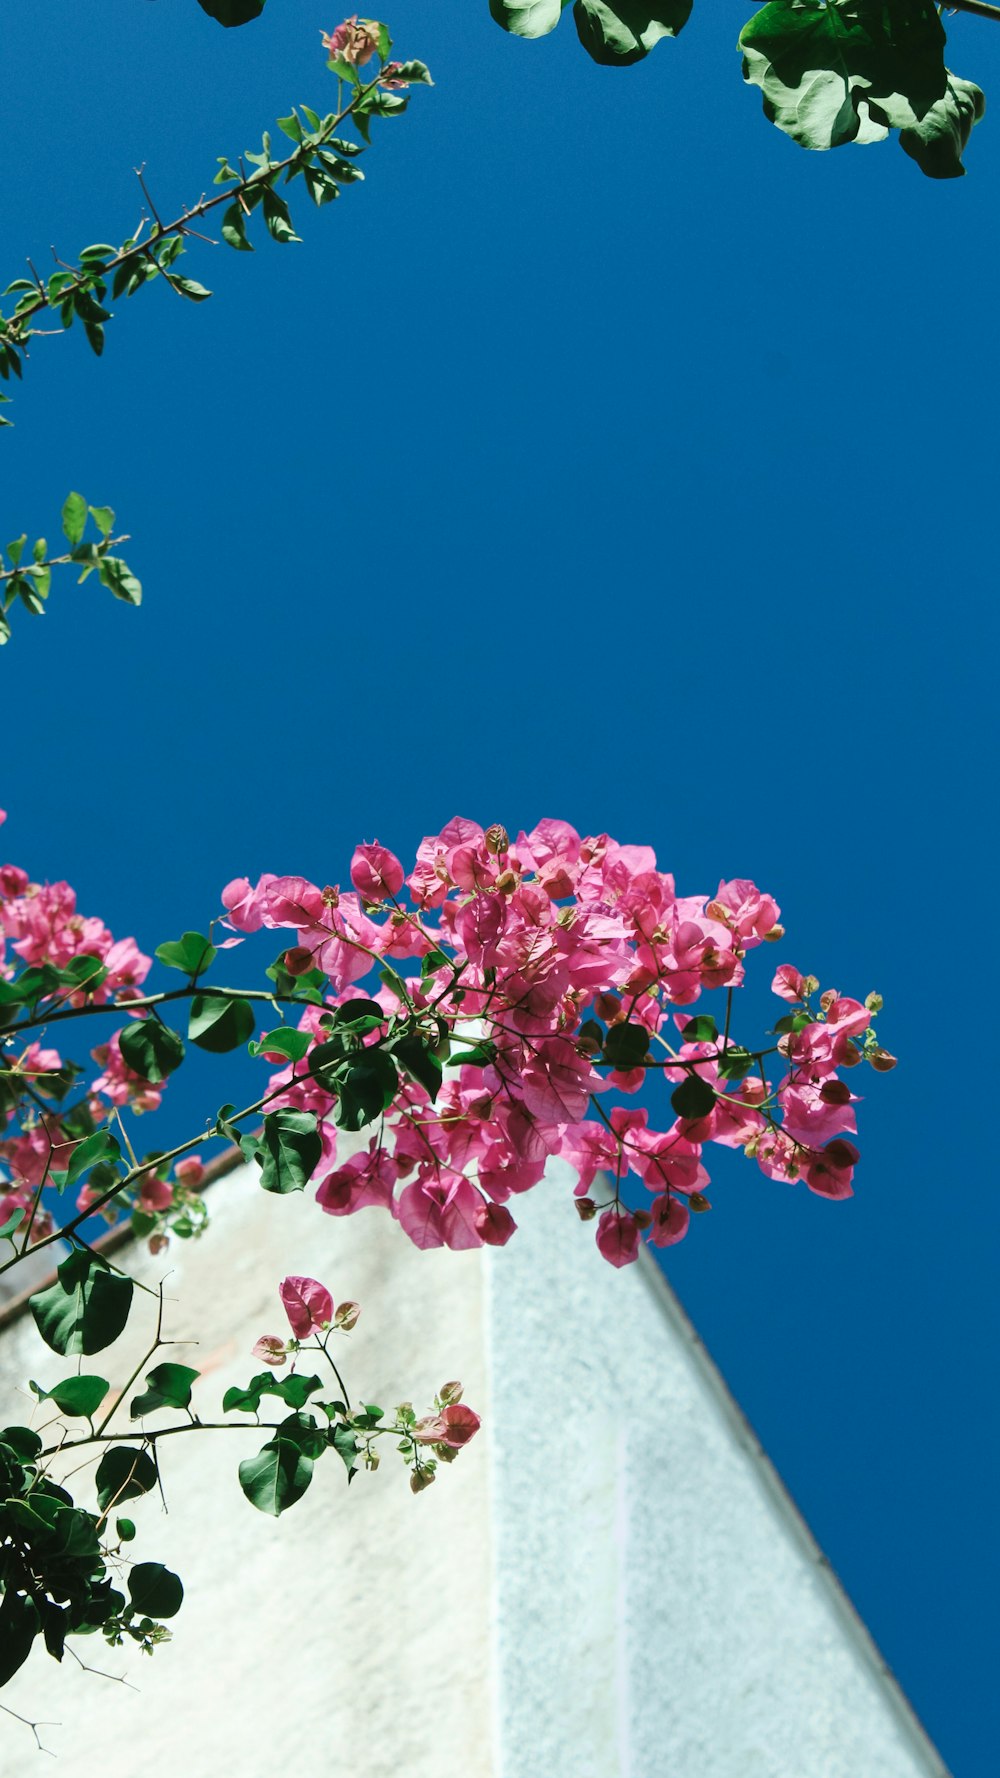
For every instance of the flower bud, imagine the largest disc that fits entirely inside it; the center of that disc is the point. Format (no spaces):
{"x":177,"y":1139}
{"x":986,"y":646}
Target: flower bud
{"x":827,"y":998}
{"x":772,"y":937}
{"x":608,"y":1007}
{"x":448,"y":1393}
{"x":882,"y":1061}
{"x":874,"y":1002}
{"x":497,"y":839}
{"x":586,"y":1209}
{"x":346,"y":1316}
{"x":157,"y":1243}
{"x":810,"y":985}
{"x":642,"y":1219}
{"x":851,"y":1056}
{"x":506,"y":883}
{"x":698,"y":1202}
{"x":446,"y":1453}
{"x":298,"y":961}
{"x":421,"y":1479}
{"x":717,"y":911}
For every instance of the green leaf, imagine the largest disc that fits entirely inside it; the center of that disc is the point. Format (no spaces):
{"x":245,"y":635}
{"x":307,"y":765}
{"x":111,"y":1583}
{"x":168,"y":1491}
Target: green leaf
{"x":694,"y":1097}
{"x":434,"y":961}
{"x":19,"y":1625}
{"x":22,"y":1441}
{"x":276,"y":215}
{"x":76,"y":1395}
{"x":286,"y":1041}
{"x":232,"y":12}
{"x":420,"y":1061}
{"x":103,"y":518}
{"x":366,"y":1087}
{"x":74,"y":518}
{"x":101,"y":1146}
{"x":190,"y":288}
{"x":361,"y":1015}
{"x":847,"y":71}
{"x":345,"y":1443}
{"x":234,"y":228}
{"x":117,"y":576}
{"x":123,"y":1473}
{"x":12,"y":1222}
{"x":289,"y":1150}
{"x":125,"y":1529}
{"x":936,"y":142}
{"x":155,"y":1591}
{"x":417,"y":73}
{"x":701,"y":1029}
{"x":277,"y":1477}
{"x":294,"y":1390}
{"x":218,"y":1023}
{"x":85,"y":1309}
{"x":167,"y":1386}
{"x":626,"y":1045}
{"x":192,"y":954}
{"x":151,"y":1049}
{"x":618,"y":32}
{"x":735,"y":1062}
{"x":527,"y":18}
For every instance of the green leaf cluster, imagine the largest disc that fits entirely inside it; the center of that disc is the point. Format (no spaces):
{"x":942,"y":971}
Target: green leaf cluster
{"x":30,"y":581}
{"x":852,"y":70}
{"x":54,"y":1580}
{"x":613,"y":32}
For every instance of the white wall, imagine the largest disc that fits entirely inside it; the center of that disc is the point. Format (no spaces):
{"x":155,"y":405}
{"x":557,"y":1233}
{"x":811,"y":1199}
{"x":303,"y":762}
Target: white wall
{"x":609,"y":1583}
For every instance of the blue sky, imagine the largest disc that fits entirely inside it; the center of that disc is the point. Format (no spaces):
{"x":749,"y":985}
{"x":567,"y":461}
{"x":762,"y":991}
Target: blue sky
{"x":604,"y":456}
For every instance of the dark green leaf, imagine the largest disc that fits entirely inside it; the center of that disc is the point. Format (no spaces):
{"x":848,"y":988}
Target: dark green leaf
{"x":345,"y":1443}
{"x":294,"y":1391}
{"x":618,"y":32}
{"x":735,"y":1062}
{"x":218,"y":1023}
{"x":85,"y":1309}
{"x":694,"y":1097}
{"x":167,"y":1386}
{"x":277,"y":1477}
{"x":289,"y":1150}
{"x":123,"y":1473}
{"x":701,"y":1029}
{"x":626,"y":1045}
{"x":154,"y":1590}
{"x":151,"y":1049}
{"x":419,"y":1060}
{"x":76,"y":1395}
{"x":367,"y":1085}
{"x":125,"y":1529}
{"x":19,"y":1625}
{"x":232,"y":12}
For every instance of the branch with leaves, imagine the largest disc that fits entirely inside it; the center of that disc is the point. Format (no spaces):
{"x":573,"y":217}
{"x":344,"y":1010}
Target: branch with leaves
{"x":325,"y":160}
{"x":30,"y":582}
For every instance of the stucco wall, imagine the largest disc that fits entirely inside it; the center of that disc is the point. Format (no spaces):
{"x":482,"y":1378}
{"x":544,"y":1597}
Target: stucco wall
{"x":610,"y":1583}
{"x":352,"y":1633}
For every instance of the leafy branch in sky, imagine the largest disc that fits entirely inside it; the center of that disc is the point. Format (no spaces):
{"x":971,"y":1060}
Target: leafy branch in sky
{"x":325,"y":160}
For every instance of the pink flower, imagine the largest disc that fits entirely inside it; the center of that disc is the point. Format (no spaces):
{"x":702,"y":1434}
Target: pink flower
{"x":190,"y":1172}
{"x":375,"y":871}
{"x":789,"y":983}
{"x":308,"y":1305}
{"x":454,"y":1426}
{"x":354,"y":41}
{"x":155,"y":1194}
{"x":269,"y":1349}
{"x":494,"y":1224}
{"x":618,"y":1237}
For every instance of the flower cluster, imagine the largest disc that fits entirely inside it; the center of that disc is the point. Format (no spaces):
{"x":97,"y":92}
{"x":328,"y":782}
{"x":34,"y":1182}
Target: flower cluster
{"x":539,"y":992}
{"x":313,"y":1317}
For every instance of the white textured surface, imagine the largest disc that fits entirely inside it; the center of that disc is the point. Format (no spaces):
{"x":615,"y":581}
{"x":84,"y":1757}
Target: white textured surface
{"x":610,"y":1583}
{"x":350,"y":1635}
{"x":660,"y":1611}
